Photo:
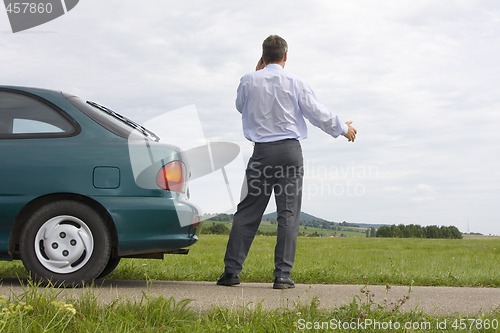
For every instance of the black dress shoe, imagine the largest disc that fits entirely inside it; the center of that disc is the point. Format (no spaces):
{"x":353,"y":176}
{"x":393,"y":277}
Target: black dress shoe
{"x":228,"y":279}
{"x":283,"y":283}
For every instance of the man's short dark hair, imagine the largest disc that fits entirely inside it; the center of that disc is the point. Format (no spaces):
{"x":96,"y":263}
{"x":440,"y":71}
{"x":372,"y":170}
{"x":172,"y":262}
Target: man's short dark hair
{"x":273,"y":49}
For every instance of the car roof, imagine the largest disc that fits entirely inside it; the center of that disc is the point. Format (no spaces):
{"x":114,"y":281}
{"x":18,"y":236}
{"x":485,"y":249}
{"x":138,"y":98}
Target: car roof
{"x":29,"y":89}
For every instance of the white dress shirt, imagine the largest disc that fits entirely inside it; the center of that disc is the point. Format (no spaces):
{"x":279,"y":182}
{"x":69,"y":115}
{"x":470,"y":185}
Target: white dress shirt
{"x":274,"y":103}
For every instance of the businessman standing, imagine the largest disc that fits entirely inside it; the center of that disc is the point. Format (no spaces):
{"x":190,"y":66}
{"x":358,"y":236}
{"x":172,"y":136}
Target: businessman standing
{"x":274,"y":105}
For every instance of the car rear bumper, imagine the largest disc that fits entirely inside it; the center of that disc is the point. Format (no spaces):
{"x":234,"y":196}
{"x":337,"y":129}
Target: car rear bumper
{"x":146,"y":225}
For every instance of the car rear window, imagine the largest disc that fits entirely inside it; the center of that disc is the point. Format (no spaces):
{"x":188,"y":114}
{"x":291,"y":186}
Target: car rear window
{"x":112,"y":121}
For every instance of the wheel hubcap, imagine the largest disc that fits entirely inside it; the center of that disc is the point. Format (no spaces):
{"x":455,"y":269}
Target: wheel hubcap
{"x":64,"y":244}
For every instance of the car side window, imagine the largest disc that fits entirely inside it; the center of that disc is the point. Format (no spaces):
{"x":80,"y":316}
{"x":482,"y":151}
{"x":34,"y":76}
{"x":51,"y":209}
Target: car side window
{"x":24,"y":116}
{"x":23,"y":126}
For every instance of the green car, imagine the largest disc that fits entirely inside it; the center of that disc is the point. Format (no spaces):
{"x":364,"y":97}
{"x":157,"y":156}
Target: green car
{"x":82,"y":186}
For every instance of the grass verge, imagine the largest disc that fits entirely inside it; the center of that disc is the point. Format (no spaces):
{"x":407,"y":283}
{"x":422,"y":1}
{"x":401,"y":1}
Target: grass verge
{"x":44,"y":310}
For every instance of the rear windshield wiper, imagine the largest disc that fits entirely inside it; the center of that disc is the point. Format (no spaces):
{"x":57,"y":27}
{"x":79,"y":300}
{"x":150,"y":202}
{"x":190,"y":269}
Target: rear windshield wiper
{"x":127,"y":121}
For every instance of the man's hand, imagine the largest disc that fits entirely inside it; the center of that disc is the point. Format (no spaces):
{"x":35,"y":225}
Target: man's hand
{"x":351,"y":132}
{"x":260,"y":65}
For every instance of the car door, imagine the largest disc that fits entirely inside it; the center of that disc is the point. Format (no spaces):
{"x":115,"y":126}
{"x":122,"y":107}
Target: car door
{"x":30,"y":131}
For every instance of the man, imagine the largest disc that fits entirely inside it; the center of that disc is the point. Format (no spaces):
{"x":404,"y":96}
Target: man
{"x":273,"y":104}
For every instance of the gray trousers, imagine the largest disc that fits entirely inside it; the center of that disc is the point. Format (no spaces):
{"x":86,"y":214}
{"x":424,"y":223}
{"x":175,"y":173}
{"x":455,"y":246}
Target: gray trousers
{"x":278,"y":167}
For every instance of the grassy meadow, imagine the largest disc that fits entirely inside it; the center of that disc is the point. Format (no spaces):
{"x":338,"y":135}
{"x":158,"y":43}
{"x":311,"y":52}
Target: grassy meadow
{"x":350,"y":260}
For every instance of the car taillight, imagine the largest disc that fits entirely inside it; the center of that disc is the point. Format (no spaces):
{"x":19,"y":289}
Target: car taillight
{"x":171,"y":177}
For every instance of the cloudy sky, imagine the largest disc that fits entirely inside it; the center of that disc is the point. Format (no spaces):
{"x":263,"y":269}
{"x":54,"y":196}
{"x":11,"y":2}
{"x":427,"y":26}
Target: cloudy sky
{"x":419,"y":78}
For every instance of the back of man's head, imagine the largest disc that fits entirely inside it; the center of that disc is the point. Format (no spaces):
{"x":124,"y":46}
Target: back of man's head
{"x":273,"y":49}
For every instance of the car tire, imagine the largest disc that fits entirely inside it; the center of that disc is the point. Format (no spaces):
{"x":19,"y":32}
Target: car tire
{"x":65,"y":243}
{"x":110,"y":267}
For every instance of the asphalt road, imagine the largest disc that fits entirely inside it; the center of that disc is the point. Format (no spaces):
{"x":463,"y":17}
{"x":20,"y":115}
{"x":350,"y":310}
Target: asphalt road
{"x":205,"y":295}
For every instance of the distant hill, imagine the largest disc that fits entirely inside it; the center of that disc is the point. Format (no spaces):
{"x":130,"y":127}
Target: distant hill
{"x":304,"y":217}
{"x":308,"y":218}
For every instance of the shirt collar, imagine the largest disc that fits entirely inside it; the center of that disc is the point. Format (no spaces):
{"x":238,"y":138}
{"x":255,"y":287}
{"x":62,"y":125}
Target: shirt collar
{"x":274,"y":66}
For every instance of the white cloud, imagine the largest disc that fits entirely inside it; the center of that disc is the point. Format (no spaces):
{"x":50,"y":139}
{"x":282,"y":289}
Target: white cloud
{"x":423,"y":193}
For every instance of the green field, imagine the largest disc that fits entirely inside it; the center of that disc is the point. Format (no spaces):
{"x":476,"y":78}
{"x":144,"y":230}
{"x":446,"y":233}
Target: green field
{"x":350,"y":260}
{"x":427,"y":262}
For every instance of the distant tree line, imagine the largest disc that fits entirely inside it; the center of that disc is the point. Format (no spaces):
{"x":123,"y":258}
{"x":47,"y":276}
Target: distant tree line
{"x":222,"y":218}
{"x":317,"y":224}
{"x":416,"y":231}
{"x":223,"y":229}
{"x":215,"y":229}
